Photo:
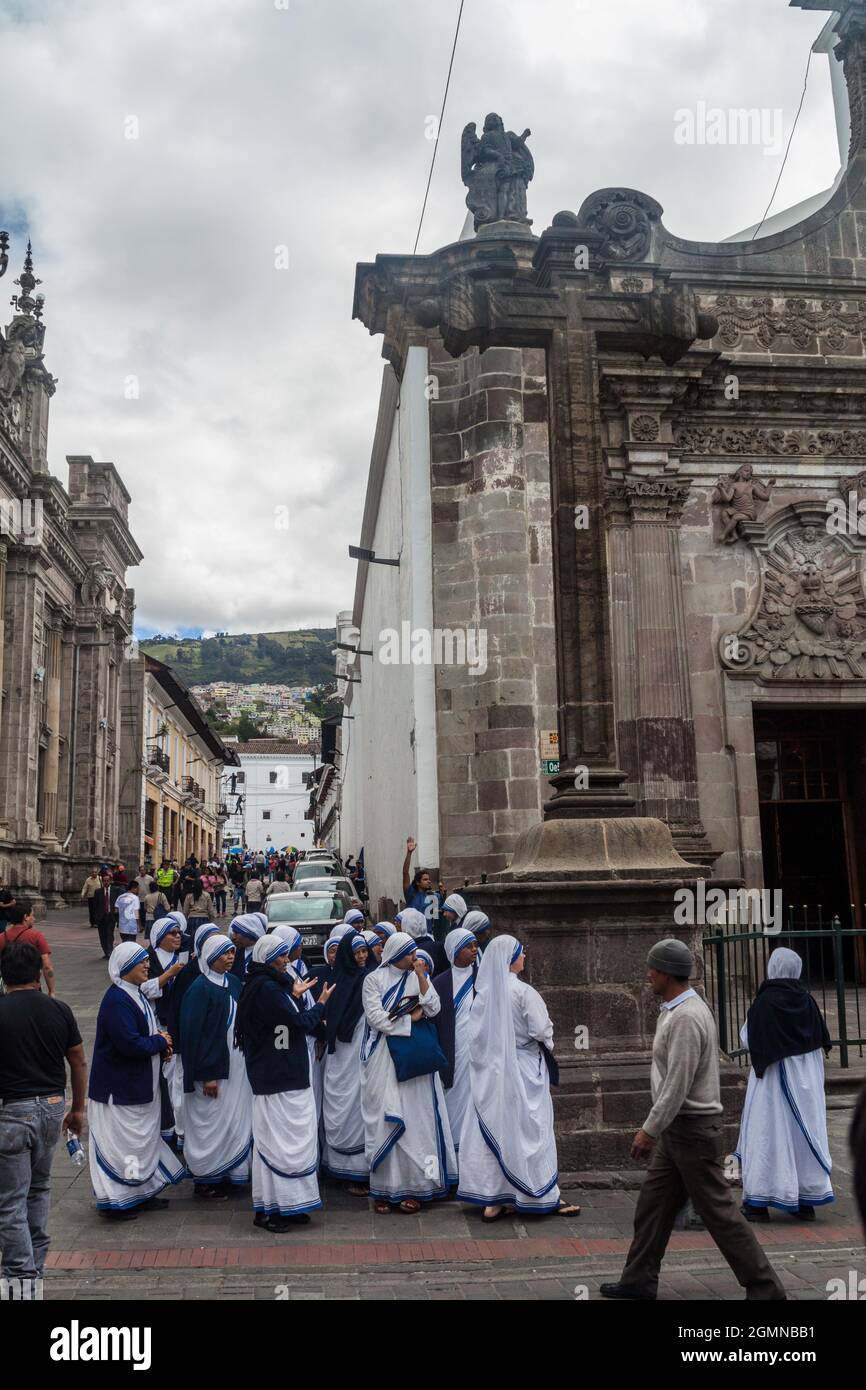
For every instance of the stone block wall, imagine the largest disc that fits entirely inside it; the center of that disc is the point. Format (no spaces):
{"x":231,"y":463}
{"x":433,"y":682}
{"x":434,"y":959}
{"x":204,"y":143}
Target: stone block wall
{"x":492,"y":573}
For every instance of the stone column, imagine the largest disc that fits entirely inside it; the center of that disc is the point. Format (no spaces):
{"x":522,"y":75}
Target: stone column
{"x":655,"y":729}
{"x":52,"y":752}
{"x":3,"y":554}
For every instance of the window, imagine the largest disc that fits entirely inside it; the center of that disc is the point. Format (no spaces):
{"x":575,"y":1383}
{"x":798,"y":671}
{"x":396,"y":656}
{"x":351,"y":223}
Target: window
{"x":241,"y":776}
{"x":272,"y":777}
{"x":266,"y":815}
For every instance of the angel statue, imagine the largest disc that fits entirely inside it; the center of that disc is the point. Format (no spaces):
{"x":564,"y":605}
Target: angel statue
{"x":496,"y":169}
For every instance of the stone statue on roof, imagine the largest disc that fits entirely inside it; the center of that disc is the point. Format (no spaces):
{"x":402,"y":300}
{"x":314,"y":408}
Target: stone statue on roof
{"x":496,"y":168}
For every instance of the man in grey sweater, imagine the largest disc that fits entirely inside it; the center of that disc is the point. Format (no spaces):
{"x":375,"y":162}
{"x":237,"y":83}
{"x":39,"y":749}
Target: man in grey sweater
{"x":683,"y":1137}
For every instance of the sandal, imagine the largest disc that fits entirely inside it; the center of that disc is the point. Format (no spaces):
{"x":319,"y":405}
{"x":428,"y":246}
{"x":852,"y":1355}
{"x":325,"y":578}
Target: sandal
{"x":382,"y":1208}
{"x":567,"y":1209}
{"x":410,"y":1207}
{"x":496,"y":1215}
{"x":357,"y":1190}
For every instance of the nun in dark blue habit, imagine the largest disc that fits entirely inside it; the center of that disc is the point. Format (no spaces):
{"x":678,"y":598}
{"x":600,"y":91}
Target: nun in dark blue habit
{"x":130,"y":1163}
{"x":217,"y":1096}
{"x":166,"y":965}
{"x":272,"y":1030}
{"x":343,"y":1122}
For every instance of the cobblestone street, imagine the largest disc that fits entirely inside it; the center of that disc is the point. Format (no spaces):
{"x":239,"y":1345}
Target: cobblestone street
{"x":196,"y":1250}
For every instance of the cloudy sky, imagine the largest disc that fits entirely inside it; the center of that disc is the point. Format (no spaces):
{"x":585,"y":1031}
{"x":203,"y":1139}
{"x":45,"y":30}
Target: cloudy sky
{"x":304,"y":124}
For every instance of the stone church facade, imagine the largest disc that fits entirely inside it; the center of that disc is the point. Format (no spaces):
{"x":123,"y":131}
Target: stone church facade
{"x":647,"y":465}
{"x":65,"y":630}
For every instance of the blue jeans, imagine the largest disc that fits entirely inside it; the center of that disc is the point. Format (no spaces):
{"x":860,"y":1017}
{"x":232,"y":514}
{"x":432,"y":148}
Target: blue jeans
{"x":29,"y":1131}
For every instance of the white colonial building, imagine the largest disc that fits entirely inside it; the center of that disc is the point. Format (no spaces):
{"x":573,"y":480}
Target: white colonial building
{"x":266,"y":796}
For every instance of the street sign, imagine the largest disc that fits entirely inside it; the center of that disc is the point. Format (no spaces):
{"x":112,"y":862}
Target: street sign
{"x":549,"y":745}
{"x":550,"y":766}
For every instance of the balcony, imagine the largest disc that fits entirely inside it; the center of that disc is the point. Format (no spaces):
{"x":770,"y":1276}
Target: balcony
{"x":158,"y":763}
{"x":191,"y":789}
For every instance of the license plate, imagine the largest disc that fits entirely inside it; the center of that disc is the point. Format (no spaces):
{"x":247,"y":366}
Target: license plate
{"x":311,"y":940}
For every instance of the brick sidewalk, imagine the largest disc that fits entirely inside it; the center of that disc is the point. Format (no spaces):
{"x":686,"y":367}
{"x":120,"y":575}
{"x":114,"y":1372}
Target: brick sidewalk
{"x":200,"y":1250}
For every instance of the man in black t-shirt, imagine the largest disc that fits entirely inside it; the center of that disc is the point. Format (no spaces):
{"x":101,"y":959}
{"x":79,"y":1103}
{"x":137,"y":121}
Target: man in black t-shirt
{"x":38,"y":1036}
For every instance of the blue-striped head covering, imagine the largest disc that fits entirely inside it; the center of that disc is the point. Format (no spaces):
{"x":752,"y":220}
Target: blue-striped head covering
{"x":124,"y":958}
{"x":216,"y":946}
{"x":284,"y":931}
{"x":268,"y":948}
{"x":518,"y":951}
{"x":202,"y":933}
{"x":396,"y":947}
{"x":456,"y":941}
{"x":425,"y":956}
{"x":383,"y":929}
{"x":353,"y":917}
{"x":250,"y":925}
{"x":357,"y":942}
{"x":161,"y":929}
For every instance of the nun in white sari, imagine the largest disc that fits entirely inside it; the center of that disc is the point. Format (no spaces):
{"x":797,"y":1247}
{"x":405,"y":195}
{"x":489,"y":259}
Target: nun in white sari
{"x":507,"y":1145}
{"x":408,"y":1139}
{"x":218,"y":1103}
{"x":457,"y":990}
{"x":783,"y":1146}
{"x":130,"y":1162}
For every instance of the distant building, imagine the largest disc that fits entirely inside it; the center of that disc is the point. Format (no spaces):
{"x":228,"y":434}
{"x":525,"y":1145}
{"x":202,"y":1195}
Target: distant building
{"x":65,"y":629}
{"x":172,"y":764}
{"x":266,"y":795}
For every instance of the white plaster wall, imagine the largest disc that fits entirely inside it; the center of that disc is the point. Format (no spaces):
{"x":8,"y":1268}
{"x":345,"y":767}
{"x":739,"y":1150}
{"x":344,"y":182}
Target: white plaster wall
{"x":287,"y":801}
{"x":394,"y":722}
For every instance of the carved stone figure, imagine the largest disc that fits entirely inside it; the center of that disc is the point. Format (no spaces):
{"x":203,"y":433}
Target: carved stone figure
{"x":739,"y":496}
{"x":811,"y":622}
{"x":496,"y":169}
{"x":13,"y":360}
{"x":97,"y":580}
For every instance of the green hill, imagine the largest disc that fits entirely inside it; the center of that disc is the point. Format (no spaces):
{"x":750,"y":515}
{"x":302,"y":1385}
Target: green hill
{"x":280,"y":658}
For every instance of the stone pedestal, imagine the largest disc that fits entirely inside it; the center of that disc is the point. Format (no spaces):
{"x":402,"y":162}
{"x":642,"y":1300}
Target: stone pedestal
{"x":588,"y":898}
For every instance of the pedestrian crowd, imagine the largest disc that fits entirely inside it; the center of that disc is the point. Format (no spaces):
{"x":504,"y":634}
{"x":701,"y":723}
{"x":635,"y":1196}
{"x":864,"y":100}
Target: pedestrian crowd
{"x":409,"y":1068}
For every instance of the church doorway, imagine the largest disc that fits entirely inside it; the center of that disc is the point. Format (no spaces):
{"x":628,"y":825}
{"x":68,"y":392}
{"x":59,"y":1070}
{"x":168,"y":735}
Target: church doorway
{"x":810,"y":764}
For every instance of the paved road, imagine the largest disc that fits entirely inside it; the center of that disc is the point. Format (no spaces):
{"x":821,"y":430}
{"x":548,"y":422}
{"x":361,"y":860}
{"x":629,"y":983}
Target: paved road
{"x":196,"y":1250}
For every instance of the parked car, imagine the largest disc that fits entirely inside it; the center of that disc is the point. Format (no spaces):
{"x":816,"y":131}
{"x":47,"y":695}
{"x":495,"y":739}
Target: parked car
{"x":314,"y":914}
{"x":314,"y":854}
{"x":317,"y":868}
{"x":340,"y":885}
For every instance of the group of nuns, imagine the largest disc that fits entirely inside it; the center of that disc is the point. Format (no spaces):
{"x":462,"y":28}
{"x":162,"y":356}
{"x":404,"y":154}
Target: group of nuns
{"x":406,"y":1068}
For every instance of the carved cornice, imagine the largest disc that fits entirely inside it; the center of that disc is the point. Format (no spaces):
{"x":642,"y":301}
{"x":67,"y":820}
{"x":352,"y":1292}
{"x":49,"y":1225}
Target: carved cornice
{"x":722,"y":441}
{"x":811,"y":324}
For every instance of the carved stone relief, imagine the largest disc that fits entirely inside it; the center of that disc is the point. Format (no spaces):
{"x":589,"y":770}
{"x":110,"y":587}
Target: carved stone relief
{"x":810,"y":623}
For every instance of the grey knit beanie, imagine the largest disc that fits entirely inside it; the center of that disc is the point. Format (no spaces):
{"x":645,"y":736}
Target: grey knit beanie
{"x":671,"y":957}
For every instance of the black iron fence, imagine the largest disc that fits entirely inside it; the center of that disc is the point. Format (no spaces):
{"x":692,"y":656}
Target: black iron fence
{"x":834,"y":971}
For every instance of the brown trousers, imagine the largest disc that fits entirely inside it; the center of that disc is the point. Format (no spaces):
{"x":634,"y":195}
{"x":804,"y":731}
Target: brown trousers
{"x":687,"y":1162}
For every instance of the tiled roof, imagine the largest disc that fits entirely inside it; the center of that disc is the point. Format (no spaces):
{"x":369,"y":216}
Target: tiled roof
{"x":273,"y":745}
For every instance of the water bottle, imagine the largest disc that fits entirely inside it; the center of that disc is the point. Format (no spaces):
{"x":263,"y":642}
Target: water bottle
{"x":75,"y":1149}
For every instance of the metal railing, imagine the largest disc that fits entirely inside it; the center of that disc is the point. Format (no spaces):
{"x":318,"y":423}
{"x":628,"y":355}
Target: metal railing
{"x":834,"y":972}
{"x":157,"y":758}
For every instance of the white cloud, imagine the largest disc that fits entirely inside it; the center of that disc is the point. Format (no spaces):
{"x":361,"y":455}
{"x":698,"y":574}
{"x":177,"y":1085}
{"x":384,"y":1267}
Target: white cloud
{"x":305,"y":127}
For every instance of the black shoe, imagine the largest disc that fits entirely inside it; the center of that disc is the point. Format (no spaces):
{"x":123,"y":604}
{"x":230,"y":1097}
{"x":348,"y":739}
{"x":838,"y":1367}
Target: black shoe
{"x":154,"y":1204}
{"x":804,"y":1212}
{"x":130,"y":1214}
{"x":759,"y":1215}
{"x":261,"y":1219}
{"x":625,"y":1291}
{"x":280,"y":1224}
{"x":213,"y":1191}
